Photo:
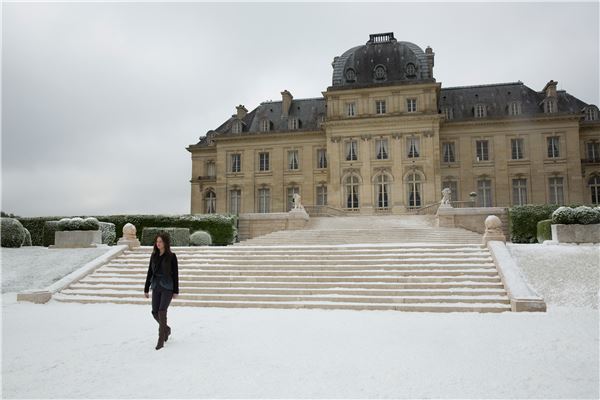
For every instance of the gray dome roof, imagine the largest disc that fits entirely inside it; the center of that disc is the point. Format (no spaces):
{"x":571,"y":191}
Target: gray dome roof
{"x":382,"y":60}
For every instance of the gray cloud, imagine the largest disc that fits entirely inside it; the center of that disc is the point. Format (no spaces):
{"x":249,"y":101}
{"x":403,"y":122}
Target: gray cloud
{"x":101,"y":99}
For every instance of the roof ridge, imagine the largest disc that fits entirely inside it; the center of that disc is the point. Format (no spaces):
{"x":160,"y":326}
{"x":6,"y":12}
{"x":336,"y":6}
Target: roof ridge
{"x":300,"y":99}
{"x":484,"y":85}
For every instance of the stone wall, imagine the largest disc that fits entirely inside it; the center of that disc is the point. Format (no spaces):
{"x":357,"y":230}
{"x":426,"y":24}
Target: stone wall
{"x":472,"y":219}
{"x":257,"y":224}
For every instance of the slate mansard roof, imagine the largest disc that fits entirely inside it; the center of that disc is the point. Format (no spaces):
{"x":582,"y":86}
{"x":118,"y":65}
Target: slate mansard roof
{"x":462,"y":100}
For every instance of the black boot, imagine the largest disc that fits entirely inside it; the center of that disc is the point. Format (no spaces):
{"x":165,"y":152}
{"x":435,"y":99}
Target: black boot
{"x":162,"y":328}
{"x":155,"y":315}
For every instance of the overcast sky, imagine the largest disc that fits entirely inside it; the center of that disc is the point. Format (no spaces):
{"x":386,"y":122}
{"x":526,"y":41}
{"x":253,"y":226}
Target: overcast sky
{"x":99,"y":100}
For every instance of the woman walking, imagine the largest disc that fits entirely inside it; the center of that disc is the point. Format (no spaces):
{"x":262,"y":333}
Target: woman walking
{"x":163,"y":275}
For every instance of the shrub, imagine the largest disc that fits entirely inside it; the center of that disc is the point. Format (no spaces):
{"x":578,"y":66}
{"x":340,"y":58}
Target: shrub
{"x":179,"y":236}
{"x":586,"y":215}
{"x":523,"y":221}
{"x":544,"y":231}
{"x":48,"y":233}
{"x":90,"y":224}
{"x":109,"y":233}
{"x":220,"y":227}
{"x":564,"y":215}
{"x":13,"y":233}
{"x":27,"y":241}
{"x":200,"y":238}
{"x":78,"y":224}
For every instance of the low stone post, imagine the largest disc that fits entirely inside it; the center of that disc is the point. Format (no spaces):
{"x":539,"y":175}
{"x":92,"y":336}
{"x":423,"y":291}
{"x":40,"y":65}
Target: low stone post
{"x":493,"y":230}
{"x":129,"y":237}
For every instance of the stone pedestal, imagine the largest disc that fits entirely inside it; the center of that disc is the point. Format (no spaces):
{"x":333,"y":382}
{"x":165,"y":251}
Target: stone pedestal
{"x":76,"y":239}
{"x":493,"y":230}
{"x":129,"y":238}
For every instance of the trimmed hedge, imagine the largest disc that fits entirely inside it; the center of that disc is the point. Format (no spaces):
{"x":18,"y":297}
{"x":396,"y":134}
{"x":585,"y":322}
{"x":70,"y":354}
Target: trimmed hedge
{"x":544,"y":231}
{"x":579,"y":215}
{"x":13,"y":233}
{"x":523,"y":221}
{"x":200,"y":238}
{"x":220,"y":226}
{"x":50,"y":227}
{"x":109,"y":233}
{"x":179,"y":236}
{"x":78,"y":224}
{"x":27,"y":241}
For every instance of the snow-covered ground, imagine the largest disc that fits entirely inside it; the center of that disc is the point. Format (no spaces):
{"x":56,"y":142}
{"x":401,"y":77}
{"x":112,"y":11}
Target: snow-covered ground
{"x":35,"y":267}
{"x":101,"y":350}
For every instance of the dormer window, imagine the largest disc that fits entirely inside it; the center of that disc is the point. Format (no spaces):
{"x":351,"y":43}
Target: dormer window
{"x":294,"y":123}
{"x":411,"y":70}
{"x":379,"y":73}
{"x":236,"y":127}
{"x":265,"y":125}
{"x":514,"y":108}
{"x":479,"y":111}
{"x":448,"y":112}
{"x":591,"y":113}
{"x":350,"y":75}
{"x":550,"y":106}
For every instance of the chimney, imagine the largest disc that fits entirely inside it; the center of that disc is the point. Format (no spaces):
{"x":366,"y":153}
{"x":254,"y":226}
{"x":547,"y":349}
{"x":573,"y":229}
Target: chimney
{"x":550,"y":88}
{"x":241,"y":111}
{"x":286,"y":103}
{"x":429,"y":54}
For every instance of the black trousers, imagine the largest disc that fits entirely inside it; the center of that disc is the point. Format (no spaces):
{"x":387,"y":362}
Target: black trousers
{"x":161,"y":298}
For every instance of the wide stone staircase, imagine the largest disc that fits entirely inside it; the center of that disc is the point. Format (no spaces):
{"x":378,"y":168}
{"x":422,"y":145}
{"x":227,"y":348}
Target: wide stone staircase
{"x":408,"y":267}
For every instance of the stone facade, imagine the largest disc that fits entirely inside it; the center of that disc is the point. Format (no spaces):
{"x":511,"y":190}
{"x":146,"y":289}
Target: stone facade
{"x":386,"y":137}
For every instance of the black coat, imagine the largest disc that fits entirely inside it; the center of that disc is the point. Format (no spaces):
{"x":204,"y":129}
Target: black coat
{"x":170,"y":272}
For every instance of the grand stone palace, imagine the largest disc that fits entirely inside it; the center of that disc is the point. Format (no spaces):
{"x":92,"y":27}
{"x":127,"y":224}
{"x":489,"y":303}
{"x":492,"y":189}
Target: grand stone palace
{"x":386,"y":137}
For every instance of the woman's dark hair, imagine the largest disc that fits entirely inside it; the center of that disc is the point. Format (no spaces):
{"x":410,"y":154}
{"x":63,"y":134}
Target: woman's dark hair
{"x":166,"y":240}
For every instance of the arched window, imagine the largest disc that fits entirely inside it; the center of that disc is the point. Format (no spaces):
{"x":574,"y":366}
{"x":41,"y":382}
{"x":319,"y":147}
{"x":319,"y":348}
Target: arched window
{"x":382,"y":190}
{"x":379,"y":73}
{"x":594,"y":184}
{"x":411,"y":70}
{"x":591,"y":113}
{"x":210,"y":202}
{"x":350,"y":75}
{"x":351,"y":191}
{"x":414,"y":190}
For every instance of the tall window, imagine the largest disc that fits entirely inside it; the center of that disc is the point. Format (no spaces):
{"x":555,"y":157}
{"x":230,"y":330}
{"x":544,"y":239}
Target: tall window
{"x":593,"y":151}
{"x":321,"y":195}
{"x":350,"y":109}
{"x":210,"y":169}
{"x":381,"y":149}
{"x":411,"y":105}
{"x":294,"y":123}
{"x":414,"y":190}
{"x":351,"y":188}
{"x":265,"y":125}
{"x":448,"y":152}
{"x":235,"y":201}
{"x":484,"y":193}
{"x":236,"y":127}
{"x":263,"y":161}
{"x":594,"y":184}
{"x":210,"y":202}
{"x":292,"y":159}
{"x":482,"y":151}
{"x":550,"y":106}
{"x":555,"y":186}
{"x":236,"y":162}
{"x":514,"y":108}
{"x":264,"y":200}
{"x":290,"y":196}
{"x":448,"y":112}
{"x":453,"y":186}
{"x":412,"y":146}
{"x":516,"y":146}
{"x":321,"y":158}
{"x":519,"y":188}
{"x":351,"y":153}
{"x":479,"y":110}
{"x":591,"y":114}
{"x":382,"y":190}
{"x":380,"y":107}
{"x":553,"y":146}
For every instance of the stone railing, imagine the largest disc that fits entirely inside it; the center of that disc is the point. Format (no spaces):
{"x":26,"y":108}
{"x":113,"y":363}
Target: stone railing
{"x":471,"y":218}
{"x":257,"y":224}
{"x":324,"y":211}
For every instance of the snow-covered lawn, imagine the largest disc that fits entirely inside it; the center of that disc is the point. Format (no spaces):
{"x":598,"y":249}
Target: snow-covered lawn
{"x":35,"y":267}
{"x":103,"y":350}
